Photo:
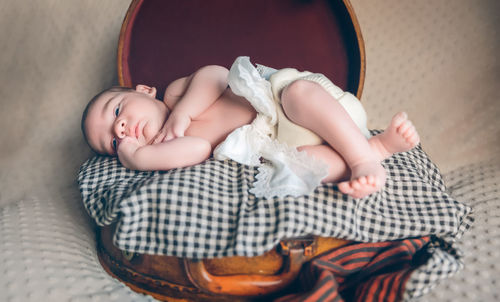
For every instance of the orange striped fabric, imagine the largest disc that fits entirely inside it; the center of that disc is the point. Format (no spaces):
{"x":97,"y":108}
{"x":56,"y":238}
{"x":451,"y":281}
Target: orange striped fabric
{"x":361,"y":272}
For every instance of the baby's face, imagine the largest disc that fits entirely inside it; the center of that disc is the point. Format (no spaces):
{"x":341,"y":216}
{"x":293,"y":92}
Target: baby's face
{"x":115,"y":115}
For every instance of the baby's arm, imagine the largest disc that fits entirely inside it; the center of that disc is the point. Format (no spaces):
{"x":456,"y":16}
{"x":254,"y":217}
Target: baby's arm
{"x":189,"y":97}
{"x":175,"y":153}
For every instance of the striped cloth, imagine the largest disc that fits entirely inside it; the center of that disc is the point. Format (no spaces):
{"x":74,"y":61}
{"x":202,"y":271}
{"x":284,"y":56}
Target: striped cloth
{"x":362,"y":272}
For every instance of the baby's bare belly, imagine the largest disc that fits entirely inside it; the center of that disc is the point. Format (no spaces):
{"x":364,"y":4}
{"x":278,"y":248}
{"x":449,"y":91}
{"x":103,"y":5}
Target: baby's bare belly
{"x":228,"y":113}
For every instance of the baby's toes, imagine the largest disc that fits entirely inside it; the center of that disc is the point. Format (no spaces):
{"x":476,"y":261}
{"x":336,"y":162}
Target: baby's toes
{"x":408,"y":133}
{"x":364,"y":180}
{"x":345,"y":187}
{"x":411,"y":136}
{"x":404,"y":127}
{"x":357,"y":184}
{"x":373,"y":181}
{"x":399,"y":119}
{"x":414,"y":139}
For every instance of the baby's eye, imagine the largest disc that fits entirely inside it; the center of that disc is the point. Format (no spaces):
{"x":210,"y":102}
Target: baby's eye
{"x":117,"y":111}
{"x":114,"y":143}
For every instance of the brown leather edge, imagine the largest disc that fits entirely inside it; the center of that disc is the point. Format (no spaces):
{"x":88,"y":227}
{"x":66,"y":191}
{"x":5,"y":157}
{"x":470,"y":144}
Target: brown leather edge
{"x":361,"y":47}
{"x":124,"y":78}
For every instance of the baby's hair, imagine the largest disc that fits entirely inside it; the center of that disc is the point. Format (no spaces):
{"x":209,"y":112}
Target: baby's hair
{"x":93,"y":100}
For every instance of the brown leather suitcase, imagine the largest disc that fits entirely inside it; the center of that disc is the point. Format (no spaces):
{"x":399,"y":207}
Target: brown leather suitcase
{"x":163,"y":40}
{"x":236,"y":278}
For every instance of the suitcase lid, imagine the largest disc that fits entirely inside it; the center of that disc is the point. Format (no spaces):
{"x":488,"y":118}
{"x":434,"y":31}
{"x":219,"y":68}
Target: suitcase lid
{"x":161,"y":41}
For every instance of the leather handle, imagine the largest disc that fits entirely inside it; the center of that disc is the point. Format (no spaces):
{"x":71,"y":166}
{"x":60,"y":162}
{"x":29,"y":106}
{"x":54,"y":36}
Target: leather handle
{"x":245,"y":285}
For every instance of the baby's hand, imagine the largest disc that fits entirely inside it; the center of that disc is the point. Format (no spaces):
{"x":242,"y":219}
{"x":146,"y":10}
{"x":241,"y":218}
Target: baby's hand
{"x":175,"y":126}
{"x":126,"y":150}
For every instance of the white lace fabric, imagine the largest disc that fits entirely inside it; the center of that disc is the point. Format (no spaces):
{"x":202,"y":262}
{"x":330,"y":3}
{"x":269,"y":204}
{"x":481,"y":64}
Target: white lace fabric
{"x":284,"y":170}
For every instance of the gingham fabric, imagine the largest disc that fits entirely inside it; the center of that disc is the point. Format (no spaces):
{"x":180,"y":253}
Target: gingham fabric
{"x":444,"y":261}
{"x":206,"y":211}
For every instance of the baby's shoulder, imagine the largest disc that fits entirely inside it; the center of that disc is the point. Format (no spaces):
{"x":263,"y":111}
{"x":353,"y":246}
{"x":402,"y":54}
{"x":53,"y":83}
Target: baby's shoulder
{"x":174,"y":91}
{"x":177,"y":87}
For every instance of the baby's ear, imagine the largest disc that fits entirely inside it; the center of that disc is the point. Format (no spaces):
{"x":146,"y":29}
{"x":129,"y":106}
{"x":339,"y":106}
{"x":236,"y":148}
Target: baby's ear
{"x":151,"y":91}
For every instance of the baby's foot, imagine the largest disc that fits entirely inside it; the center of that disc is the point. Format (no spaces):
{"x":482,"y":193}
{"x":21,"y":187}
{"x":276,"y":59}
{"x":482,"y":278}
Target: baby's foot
{"x":366,"y":178}
{"x":369,"y":177}
{"x":400,"y":136}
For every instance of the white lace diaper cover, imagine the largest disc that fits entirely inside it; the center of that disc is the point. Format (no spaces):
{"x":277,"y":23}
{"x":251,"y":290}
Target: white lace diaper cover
{"x":284,"y":170}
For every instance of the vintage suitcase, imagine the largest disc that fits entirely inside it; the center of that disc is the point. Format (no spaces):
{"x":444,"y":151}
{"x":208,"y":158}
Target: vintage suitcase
{"x":220,"y":279}
{"x":163,"y":40}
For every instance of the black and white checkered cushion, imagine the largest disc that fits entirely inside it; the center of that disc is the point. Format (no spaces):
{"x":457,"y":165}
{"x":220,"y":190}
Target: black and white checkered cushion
{"x":206,"y":211}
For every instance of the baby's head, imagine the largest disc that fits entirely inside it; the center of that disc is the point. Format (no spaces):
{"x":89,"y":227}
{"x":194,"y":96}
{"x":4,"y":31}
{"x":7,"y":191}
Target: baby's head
{"x":119,"y":112}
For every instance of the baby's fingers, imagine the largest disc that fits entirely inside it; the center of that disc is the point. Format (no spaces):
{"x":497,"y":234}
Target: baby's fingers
{"x":170,"y":135}
{"x":178,"y":132}
{"x":158,"y":138}
{"x":127,"y":145}
{"x":161,"y":136}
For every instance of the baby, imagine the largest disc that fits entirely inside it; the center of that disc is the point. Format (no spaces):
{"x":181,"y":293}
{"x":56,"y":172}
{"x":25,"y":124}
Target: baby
{"x":199,"y":111}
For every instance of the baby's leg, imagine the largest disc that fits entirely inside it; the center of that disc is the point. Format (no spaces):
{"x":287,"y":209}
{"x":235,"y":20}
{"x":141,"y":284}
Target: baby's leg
{"x":400,"y":136}
{"x":309,"y":105}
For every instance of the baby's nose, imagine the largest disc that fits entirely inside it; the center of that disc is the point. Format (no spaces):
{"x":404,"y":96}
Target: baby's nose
{"x":120,"y":128}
